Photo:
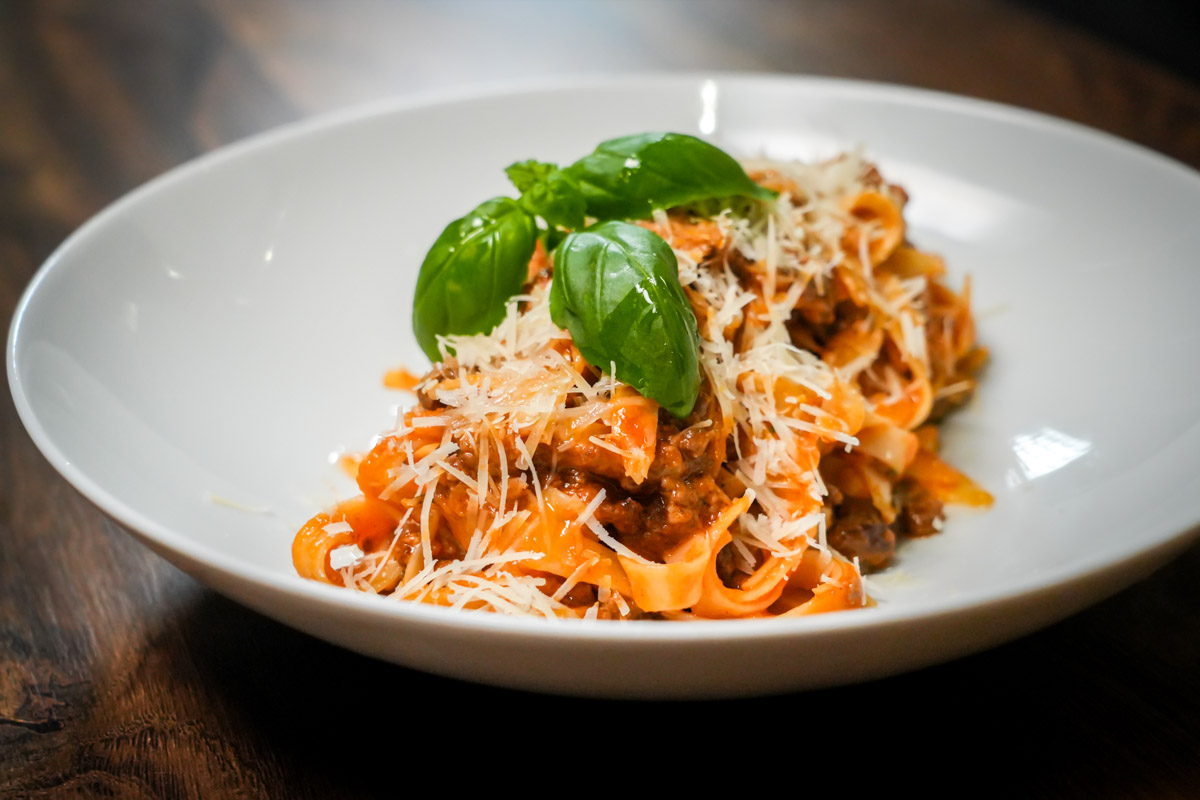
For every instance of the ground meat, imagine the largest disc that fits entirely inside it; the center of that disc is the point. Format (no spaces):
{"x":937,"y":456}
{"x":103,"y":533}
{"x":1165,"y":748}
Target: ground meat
{"x":680,"y":510}
{"x":818,"y":317}
{"x":919,"y":513}
{"x":584,"y":457}
{"x":625,"y":516}
{"x":682,"y":454}
{"x":858,"y":530}
{"x":444,"y":371}
{"x":815,"y":309}
{"x":651,"y":524}
{"x":443,"y":546}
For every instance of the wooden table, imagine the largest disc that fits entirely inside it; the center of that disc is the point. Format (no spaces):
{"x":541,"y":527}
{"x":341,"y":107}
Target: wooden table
{"x":122,"y":677}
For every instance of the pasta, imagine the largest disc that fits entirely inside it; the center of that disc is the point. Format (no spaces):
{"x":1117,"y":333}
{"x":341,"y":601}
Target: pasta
{"x":526,"y":480}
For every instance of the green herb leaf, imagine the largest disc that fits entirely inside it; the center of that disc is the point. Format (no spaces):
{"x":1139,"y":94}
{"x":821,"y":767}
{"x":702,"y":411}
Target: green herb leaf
{"x":548,"y":193}
{"x":616,"y":289}
{"x":632,"y":176}
{"x":477,"y":263}
{"x":527,"y":174}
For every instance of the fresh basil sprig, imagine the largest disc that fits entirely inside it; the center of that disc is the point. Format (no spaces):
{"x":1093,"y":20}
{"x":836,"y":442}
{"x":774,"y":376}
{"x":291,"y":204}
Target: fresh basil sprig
{"x":616,"y":285}
{"x":631,"y":176}
{"x":548,"y":193}
{"x":476,"y":264}
{"x":616,"y":289}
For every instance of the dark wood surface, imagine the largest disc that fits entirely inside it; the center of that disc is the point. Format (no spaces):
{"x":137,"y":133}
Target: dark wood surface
{"x":122,"y":677}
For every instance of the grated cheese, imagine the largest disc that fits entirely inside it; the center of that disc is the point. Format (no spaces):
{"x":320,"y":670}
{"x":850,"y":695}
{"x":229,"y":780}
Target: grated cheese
{"x":345,"y":556}
{"x":520,"y":393}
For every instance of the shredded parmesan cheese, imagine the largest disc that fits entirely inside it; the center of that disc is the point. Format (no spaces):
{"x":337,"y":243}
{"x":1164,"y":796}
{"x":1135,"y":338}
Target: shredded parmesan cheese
{"x":520,"y":447}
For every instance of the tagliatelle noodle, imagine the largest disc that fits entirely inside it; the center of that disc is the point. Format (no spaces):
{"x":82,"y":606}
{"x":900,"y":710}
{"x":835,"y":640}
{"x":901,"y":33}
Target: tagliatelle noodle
{"x":527,"y":481}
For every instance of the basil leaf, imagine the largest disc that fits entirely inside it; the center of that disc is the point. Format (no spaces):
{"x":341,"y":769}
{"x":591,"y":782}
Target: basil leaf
{"x":526,"y":174}
{"x":548,"y":193}
{"x":632,"y":176}
{"x":476,"y":264}
{"x":616,"y":289}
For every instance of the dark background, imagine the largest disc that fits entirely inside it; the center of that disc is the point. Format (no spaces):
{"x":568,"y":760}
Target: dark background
{"x":1160,"y":30}
{"x":122,"y":677}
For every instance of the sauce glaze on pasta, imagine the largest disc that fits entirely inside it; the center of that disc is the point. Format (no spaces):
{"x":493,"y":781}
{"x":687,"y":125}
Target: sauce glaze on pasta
{"x":528,"y":481}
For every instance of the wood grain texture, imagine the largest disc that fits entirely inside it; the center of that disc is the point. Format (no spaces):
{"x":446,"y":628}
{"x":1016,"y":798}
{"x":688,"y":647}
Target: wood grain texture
{"x":122,"y":677}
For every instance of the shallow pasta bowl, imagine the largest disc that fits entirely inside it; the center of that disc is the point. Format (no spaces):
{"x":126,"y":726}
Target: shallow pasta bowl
{"x":190,"y":359}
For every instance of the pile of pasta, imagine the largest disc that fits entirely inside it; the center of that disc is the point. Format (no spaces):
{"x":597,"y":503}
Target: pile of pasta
{"x":528,"y":481}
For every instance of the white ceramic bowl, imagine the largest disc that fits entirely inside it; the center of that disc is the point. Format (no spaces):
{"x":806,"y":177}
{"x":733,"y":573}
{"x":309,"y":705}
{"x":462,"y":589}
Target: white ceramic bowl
{"x":210,"y":339}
